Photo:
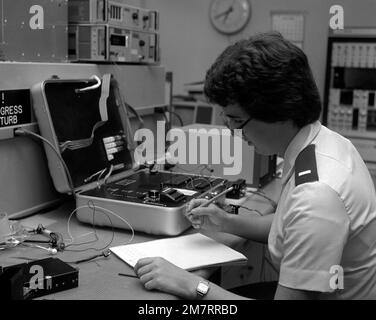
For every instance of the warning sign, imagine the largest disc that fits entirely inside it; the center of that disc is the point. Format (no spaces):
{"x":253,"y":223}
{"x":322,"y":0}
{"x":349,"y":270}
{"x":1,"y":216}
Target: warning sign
{"x":15,"y":108}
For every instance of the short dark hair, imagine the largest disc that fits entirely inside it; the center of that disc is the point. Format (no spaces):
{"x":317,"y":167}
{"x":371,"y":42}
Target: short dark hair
{"x":269,"y":77}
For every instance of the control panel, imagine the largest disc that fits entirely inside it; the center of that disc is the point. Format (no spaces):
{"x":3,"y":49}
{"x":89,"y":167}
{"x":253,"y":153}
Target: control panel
{"x":350,"y":88}
{"x":162,"y":189}
{"x":108,"y":43}
{"x":352,"y":110}
{"x":104,"y":30}
{"x":131,"y":17}
{"x":116,"y":13}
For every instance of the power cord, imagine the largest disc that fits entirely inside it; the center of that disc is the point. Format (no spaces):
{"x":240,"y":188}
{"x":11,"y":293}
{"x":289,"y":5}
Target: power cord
{"x":105,"y":254}
{"x":178,"y":117}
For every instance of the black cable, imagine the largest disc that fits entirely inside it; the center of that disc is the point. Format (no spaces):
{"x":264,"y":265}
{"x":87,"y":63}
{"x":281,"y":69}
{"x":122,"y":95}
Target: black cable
{"x":105,"y":254}
{"x":177,"y":116}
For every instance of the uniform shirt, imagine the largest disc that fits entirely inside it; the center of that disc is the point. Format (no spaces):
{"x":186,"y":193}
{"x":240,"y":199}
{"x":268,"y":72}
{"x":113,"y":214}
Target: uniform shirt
{"x":322,"y":226}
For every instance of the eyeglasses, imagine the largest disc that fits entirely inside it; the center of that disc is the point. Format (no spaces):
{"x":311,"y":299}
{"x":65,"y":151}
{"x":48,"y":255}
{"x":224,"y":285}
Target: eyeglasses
{"x":235,"y":124}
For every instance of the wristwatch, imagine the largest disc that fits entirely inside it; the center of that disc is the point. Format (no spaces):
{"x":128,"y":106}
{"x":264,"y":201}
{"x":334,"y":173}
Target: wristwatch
{"x":202,"y":288}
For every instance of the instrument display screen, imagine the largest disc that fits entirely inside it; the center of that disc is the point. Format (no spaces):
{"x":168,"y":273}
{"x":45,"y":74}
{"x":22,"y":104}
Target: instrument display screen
{"x":117,"y":40}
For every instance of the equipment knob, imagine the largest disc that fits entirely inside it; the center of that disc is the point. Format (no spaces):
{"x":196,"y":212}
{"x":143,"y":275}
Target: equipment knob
{"x":154,"y":195}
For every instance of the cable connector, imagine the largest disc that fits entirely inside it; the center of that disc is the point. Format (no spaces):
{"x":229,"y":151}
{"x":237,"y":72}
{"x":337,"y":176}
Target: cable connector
{"x":239,"y":188}
{"x":105,"y":254}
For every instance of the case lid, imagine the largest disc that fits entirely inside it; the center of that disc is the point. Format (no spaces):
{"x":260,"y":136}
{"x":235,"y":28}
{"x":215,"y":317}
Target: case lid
{"x":90,"y":122}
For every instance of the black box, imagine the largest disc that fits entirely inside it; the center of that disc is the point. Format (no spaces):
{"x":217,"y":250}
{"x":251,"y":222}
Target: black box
{"x":37,"y":278}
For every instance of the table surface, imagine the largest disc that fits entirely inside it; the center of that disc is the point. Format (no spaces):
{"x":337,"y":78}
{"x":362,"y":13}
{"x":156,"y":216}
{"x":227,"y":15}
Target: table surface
{"x":99,"y":279}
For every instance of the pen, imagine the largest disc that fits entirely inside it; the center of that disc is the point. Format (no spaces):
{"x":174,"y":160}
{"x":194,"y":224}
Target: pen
{"x":127,"y":275}
{"x":213,"y":199}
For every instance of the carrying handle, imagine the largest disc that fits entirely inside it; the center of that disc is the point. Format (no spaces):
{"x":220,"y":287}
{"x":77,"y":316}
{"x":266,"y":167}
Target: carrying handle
{"x":93,"y":87}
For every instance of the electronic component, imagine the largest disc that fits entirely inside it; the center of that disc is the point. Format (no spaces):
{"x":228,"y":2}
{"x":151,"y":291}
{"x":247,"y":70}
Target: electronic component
{"x":201,"y":184}
{"x":238,"y":191}
{"x":116,"y":13}
{"x":154,"y":195}
{"x":178,"y":180}
{"x":217,"y":196}
{"x":350,"y":88}
{"x":151,"y":202}
{"x":113,"y":145}
{"x":104,"y":30}
{"x":92,"y":42}
{"x":156,"y":188}
{"x":148,"y":199}
{"x":56,"y":239}
{"x":172,"y":195}
{"x":92,"y":165}
{"x":37,"y":278}
{"x":351,"y":110}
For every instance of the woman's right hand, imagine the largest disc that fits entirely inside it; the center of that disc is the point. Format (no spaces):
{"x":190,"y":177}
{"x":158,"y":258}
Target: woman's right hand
{"x":210,"y":218}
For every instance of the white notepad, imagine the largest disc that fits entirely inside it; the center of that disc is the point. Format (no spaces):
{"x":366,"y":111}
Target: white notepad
{"x":188,"y":252}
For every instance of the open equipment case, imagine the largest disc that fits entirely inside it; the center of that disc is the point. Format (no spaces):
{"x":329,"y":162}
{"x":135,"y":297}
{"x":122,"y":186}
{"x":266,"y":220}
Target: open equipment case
{"x":87,"y":121}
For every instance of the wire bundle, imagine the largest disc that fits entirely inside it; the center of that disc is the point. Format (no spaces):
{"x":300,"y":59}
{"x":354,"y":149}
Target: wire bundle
{"x":81,"y":143}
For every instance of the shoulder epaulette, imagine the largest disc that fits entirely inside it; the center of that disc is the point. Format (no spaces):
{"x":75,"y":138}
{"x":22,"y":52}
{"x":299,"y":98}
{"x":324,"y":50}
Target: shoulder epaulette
{"x":305,"y":166}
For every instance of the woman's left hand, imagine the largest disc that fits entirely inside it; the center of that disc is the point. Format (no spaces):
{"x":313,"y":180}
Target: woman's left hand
{"x":159,"y":274}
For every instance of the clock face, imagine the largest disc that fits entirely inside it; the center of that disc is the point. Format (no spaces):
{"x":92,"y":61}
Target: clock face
{"x":229,"y":16}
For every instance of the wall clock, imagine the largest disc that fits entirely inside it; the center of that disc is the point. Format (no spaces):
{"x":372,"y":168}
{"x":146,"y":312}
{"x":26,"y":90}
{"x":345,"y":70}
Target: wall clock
{"x":230,"y":16}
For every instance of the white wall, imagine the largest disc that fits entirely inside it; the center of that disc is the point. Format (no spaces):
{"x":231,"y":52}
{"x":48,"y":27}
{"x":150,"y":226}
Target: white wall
{"x":190,"y":44}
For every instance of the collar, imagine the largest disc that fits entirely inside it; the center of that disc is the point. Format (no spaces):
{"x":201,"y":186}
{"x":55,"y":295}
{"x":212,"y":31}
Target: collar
{"x":303,"y":138}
